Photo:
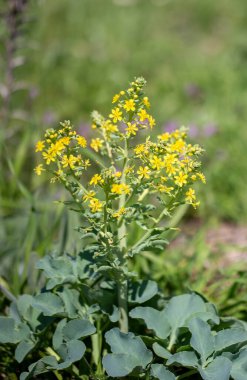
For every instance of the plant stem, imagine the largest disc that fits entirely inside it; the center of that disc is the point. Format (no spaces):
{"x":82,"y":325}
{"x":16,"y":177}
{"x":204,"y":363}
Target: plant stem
{"x":122,"y":281}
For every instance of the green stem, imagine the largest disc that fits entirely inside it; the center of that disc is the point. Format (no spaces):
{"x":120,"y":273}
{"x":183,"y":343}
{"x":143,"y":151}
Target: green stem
{"x":122,"y":281}
{"x":187,"y":374}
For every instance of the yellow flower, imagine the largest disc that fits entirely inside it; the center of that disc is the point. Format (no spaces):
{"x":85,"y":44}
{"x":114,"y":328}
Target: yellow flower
{"x":69,"y":161}
{"x":65,"y":140}
{"x":82,"y":141}
{"x":40,"y":146}
{"x":116,"y":114}
{"x":89,"y":196}
{"x":181,"y":179}
{"x":93,"y":126}
{"x":109,"y":127}
{"x":202,"y":177}
{"x":56,"y":148}
{"x":118,"y":174}
{"x":165,"y":189}
{"x":164,"y":137}
{"x":151,"y":121}
{"x":86,"y":163}
{"x":129,"y":105}
{"x":146,"y":101}
{"x":156,"y":163}
{"x":129,"y":170}
{"x":119,"y":213}
{"x":115,"y":98}
{"x":131,"y":129}
{"x":143,"y":114}
{"x":190,"y":195}
{"x":140,"y":150}
{"x":143,"y":172}
{"x":120,"y":188}
{"x":48,"y":157}
{"x":96,"y":144}
{"x":96,"y":179}
{"x":177,"y":146}
{"x":39,"y":169}
{"x":95,"y":205}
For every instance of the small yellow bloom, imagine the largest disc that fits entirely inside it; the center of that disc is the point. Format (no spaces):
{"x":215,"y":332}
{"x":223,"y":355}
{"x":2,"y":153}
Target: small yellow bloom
{"x":143,"y":172}
{"x":164,"y":189}
{"x":96,"y":144}
{"x":69,"y":161}
{"x":116,"y":114}
{"x":48,"y":157}
{"x":39,"y":169}
{"x":151,"y":121}
{"x":118,"y":174}
{"x":202,"y":177}
{"x":181,"y":179}
{"x":65,"y":140}
{"x":146,"y":101}
{"x":109,"y":127}
{"x":115,"y":98}
{"x":140,"y":149}
{"x":40,"y":146}
{"x":91,"y":194}
{"x":131,"y":129}
{"x":164,"y":137}
{"x":119,"y":213}
{"x":82,"y":141}
{"x":120,"y":188}
{"x":96,"y":179}
{"x":95,"y":205}
{"x":129,"y":105}
{"x":143,"y":115}
{"x":190,"y":195}
{"x":156,"y":163}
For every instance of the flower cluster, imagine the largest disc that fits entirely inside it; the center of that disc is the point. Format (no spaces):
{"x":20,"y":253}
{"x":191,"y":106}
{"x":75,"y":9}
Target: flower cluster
{"x":167,"y":167}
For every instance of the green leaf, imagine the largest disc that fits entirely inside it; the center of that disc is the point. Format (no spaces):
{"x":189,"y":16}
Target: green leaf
{"x":180,"y":310}
{"x":12,"y":332}
{"x":155,"y":320}
{"x":184,"y":358}
{"x":239,"y":366}
{"x":57,"y":269}
{"x":57,"y":339}
{"x":78,"y":328}
{"x":161,"y":351}
{"x":218,"y":369}
{"x":128,"y":353}
{"x":140,"y":292}
{"x":23,"y":348}
{"x":229,"y":337}
{"x":160,"y":372}
{"x":72,"y":305}
{"x":201,"y":340}
{"x":48,"y":303}
{"x":71,"y":352}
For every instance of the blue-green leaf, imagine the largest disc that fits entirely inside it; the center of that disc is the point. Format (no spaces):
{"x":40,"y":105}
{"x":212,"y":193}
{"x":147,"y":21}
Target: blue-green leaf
{"x":229,"y":337}
{"x":12,"y":332}
{"x":23,"y":348}
{"x":160,"y":372}
{"x":218,"y":369}
{"x":128,"y":353}
{"x":239,"y":367}
{"x":202,"y":339}
{"x":184,"y":358}
{"x":78,"y":328}
{"x":155,"y":320}
{"x":140,"y":292}
{"x":161,"y":351}
{"x":48,"y":303}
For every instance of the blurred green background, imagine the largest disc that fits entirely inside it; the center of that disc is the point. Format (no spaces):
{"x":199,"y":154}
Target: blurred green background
{"x":70,"y":57}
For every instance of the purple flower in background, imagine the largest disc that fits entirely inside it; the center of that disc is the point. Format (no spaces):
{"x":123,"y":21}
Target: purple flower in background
{"x":171,"y":126}
{"x":209,"y":129}
{"x":84,"y":129}
{"x":49,"y":118}
{"x":193,"y":130}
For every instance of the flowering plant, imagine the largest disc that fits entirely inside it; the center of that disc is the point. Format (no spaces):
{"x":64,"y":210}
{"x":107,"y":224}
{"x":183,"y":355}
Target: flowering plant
{"x":135,"y":186}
